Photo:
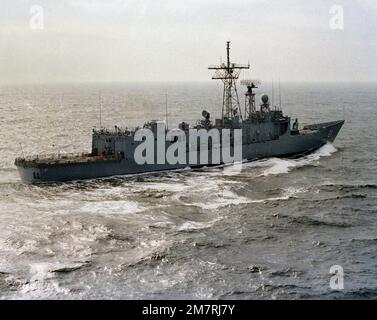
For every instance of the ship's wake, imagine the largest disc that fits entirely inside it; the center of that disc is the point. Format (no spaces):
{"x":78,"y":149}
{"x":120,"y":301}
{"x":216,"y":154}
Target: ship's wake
{"x":276,"y":166}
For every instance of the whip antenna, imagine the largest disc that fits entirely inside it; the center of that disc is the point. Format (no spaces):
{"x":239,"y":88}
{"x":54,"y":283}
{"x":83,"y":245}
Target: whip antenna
{"x":166,"y":109}
{"x":100,"y":110}
{"x":279,"y":94}
{"x":22,"y":151}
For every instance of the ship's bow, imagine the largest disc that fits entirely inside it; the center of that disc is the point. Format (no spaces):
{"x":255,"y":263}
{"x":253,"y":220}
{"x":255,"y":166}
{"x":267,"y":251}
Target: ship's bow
{"x":328,"y":130}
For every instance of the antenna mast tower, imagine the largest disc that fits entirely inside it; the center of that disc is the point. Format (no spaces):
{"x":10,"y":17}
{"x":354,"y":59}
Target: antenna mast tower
{"x":250,"y":106}
{"x":229,"y":73}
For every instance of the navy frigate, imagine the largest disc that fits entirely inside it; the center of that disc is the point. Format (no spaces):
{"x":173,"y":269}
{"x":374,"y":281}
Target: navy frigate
{"x":266,"y":132}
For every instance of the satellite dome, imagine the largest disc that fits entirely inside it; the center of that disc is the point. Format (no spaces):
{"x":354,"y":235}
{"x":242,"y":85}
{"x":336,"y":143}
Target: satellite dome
{"x":265,"y":99}
{"x":205,"y":114}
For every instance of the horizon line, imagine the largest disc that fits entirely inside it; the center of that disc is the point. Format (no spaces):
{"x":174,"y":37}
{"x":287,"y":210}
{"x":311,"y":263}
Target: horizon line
{"x":99,"y":82}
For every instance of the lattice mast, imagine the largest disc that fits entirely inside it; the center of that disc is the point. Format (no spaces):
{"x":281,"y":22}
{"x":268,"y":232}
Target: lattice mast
{"x":229,"y":74}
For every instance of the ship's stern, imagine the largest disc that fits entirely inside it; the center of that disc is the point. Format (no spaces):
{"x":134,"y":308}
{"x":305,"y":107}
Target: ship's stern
{"x":29,"y":171}
{"x":28,"y":174}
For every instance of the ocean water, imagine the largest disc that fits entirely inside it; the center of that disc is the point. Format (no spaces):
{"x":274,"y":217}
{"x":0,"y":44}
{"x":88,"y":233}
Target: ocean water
{"x":272,"y":231}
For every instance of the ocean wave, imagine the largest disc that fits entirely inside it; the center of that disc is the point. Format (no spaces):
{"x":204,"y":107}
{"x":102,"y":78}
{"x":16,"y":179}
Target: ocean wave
{"x":346,"y":187}
{"x":147,"y":252}
{"x":276,"y":166}
{"x":227,"y":198}
{"x":43,"y":271}
{"x":287,"y":194}
{"x":365,"y":240}
{"x":224,"y":199}
{"x":42,"y":281}
{"x":9,"y":177}
{"x":315,"y":222}
{"x":112,"y":207}
{"x":362,"y":293}
{"x":289,"y":272}
{"x":194,"y":225}
{"x":347,"y":196}
{"x":161,"y":186}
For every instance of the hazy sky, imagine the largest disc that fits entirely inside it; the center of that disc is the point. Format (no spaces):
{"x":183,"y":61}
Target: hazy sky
{"x":175,"y":40}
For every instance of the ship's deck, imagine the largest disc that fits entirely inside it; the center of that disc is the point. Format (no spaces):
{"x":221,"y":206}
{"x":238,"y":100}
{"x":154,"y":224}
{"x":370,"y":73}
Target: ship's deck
{"x":59,"y":159}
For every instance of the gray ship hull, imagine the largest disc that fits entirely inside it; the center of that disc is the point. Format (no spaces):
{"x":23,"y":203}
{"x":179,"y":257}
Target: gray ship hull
{"x":286,"y":145}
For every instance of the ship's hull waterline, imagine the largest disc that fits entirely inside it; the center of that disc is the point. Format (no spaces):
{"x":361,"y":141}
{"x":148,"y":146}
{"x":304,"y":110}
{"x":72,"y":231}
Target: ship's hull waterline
{"x":286,"y":145}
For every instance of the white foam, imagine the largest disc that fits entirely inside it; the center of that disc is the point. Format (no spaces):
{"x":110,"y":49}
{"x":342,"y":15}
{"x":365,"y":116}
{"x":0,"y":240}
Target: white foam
{"x":230,"y":198}
{"x":279,"y":166}
{"x":225,"y":198}
{"x":173,"y":187}
{"x":326,"y":151}
{"x":7,"y":177}
{"x":112,"y":207}
{"x":203,"y":183}
{"x":42,"y":283}
{"x":275,"y":166}
{"x":233,"y":169}
{"x":41,"y":271}
{"x":153,"y":244}
{"x":193,"y":225}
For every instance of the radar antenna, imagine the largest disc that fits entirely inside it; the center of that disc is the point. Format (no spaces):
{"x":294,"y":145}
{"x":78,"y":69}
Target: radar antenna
{"x":229,"y":73}
{"x":250,"y":96}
